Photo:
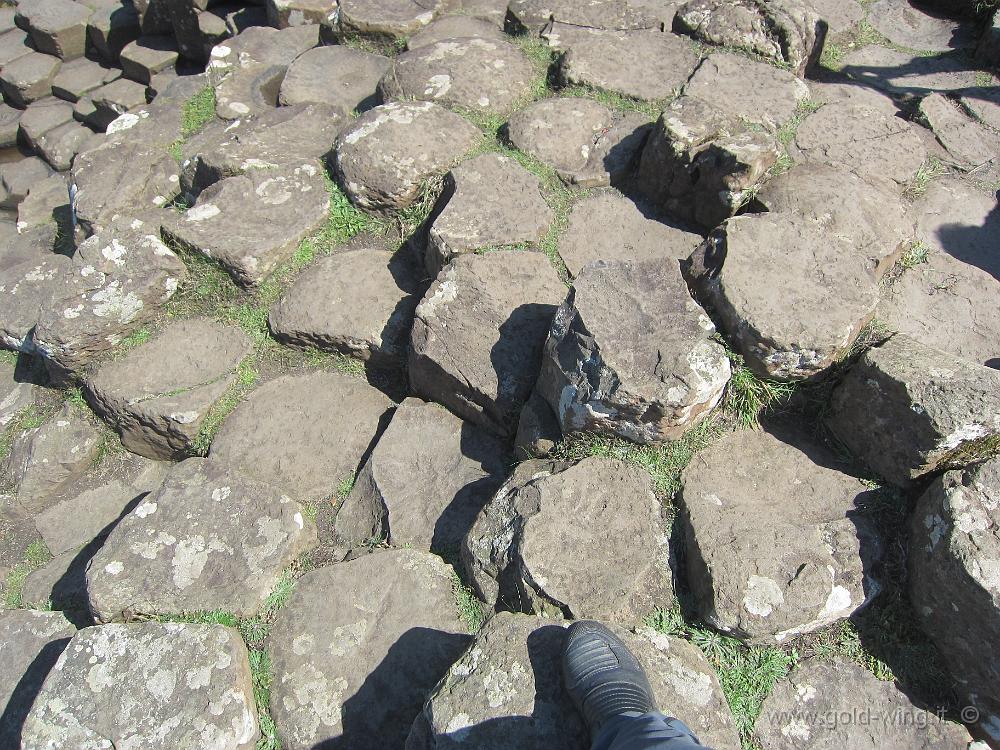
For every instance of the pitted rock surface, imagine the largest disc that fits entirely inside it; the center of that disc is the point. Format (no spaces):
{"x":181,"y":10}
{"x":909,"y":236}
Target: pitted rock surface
{"x":28,"y":78}
{"x":478,"y":334}
{"x":342,"y":77}
{"x":458,"y":27}
{"x":32,"y":642}
{"x":252,"y":223}
{"x":608,"y":226}
{"x":147,"y":685}
{"x":746,"y":89}
{"x":630,"y":354}
{"x":839,"y":688}
{"x":970,"y":144}
{"x":862,"y":139}
{"x":474,"y":73}
{"x":646,"y":65}
{"x":611,"y":15}
{"x":261,"y":45}
{"x":394,"y":19}
{"x":507,"y":689}
{"x":57,"y":27}
{"x":797,"y":334}
{"x":283,"y":136}
{"x":584,"y":141}
{"x":424,"y":483}
{"x":87,"y":509}
{"x":118,"y":279}
{"x":945,"y":303}
{"x":158,"y":396}
{"x":283,"y":14}
{"x":356,"y":674}
{"x":305,"y":434}
{"x":359,"y":302}
{"x":789,"y":32}
{"x":44,"y":459}
{"x":488,"y":202}
{"x":700,"y":164}
{"x":954,"y":554}
{"x":385,"y":155}
{"x":790,"y":574}
{"x":906,"y":409}
{"x":583,"y":541}
{"x":209,"y":538}
{"x":839,"y":202}
{"x":914,"y":28}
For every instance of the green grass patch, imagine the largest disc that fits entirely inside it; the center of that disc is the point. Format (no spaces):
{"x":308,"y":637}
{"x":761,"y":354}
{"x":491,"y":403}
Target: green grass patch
{"x":615,"y":101}
{"x":929,"y":171}
{"x":8,"y":357}
{"x":246,"y":378}
{"x":74,"y":397}
{"x":345,"y":487}
{"x":788,"y":130}
{"x":748,"y":395}
{"x":471,"y":611}
{"x":196,"y":113}
{"x":664,"y":462}
{"x":28,"y":419}
{"x":747,"y":674}
{"x":35,"y":556}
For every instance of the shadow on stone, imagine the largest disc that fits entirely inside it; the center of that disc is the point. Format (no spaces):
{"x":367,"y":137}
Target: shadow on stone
{"x":24,"y":693}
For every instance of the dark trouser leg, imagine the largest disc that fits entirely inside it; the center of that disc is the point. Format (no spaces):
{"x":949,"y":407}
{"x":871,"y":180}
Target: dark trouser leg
{"x":652,"y":731}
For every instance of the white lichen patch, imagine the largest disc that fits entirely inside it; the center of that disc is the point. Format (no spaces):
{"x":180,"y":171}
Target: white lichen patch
{"x":762,"y":596}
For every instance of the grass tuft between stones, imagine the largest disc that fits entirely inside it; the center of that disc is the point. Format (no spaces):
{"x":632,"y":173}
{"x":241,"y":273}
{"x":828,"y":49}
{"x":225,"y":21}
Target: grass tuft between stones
{"x":748,"y":395}
{"x":35,"y":556}
{"x":196,"y":113}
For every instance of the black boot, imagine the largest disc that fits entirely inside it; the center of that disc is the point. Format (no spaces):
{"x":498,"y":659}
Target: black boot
{"x":602,"y":676}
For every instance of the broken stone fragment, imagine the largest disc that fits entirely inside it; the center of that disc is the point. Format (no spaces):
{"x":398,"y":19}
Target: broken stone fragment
{"x":630,"y":354}
{"x":906,"y":409}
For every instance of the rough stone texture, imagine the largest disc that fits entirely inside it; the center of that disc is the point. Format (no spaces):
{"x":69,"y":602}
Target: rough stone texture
{"x":46,"y":458}
{"x":630,"y":354}
{"x":45,"y":211}
{"x":796,"y":334}
{"x":954,"y":218}
{"x":209,"y":538}
{"x":700,"y":164}
{"x":252,"y":223}
{"x":424,"y":483}
{"x":9,"y":125}
{"x":359,"y":302}
{"x":609,"y":226}
{"x":261,"y":45}
{"x":820,"y":688}
{"x":385,"y":155}
{"x":87,"y":509}
{"x":60,"y":145}
{"x":114,"y":99}
{"x":646,"y":65}
{"x":970,"y":144}
{"x":32,"y":642}
{"x":394,"y":19}
{"x":537,"y":430}
{"x":954,"y":554}
{"x":280,"y":137}
{"x":488,"y":201}
{"x":28,"y":78}
{"x":159,"y":394}
{"x":355,"y":674}
{"x":474,"y":73}
{"x":583,"y":541}
{"x":153,"y":685}
{"x":283,"y":14}
{"x":757,"y":571}
{"x":839,"y":202}
{"x":913,"y":27}
{"x":478,"y":335}
{"x":901,"y":73}
{"x":18,"y":178}
{"x":507,"y":691}
{"x":41,"y":117}
{"x":457,"y":27}
{"x":611,"y":15}
{"x":147,"y":56}
{"x":340,"y":76}
{"x":117,"y":280}
{"x":303,"y":433}
{"x":841,"y":15}
{"x":584,"y":141}
{"x":57,"y":27}
{"x":746,"y":89}
{"x":124,"y":175}
{"x":248,"y":91}
{"x":949,"y":305}
{"x":112,"y":26}
{"x":27,"y":288}
{"x":787,"y":31}
{"x":906,"y":409}
{"x":15,"y":394}
{"x":14,"y":43}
